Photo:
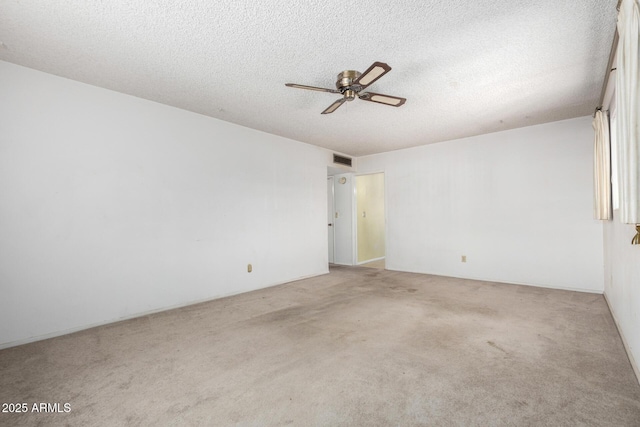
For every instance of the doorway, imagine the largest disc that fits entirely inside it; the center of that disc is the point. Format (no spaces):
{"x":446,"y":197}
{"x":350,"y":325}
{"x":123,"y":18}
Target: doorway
{"x":370,"y":213}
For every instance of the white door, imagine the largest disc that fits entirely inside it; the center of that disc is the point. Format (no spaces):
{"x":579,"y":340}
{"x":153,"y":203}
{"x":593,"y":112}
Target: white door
{"x":330,"y":214}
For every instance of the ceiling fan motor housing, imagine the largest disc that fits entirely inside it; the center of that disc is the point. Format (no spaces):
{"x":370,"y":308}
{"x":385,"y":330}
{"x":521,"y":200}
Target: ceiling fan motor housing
{"x":344,"y":84}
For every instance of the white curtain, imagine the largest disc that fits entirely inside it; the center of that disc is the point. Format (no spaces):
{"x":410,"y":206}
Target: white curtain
{"x":601,"y":167}
{"x":628,"y":109}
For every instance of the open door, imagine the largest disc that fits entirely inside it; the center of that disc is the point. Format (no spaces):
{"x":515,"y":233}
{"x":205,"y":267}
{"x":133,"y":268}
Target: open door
{"x":330,"y":221}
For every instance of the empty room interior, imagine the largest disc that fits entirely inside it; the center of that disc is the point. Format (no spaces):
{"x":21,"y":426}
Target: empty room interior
{"x":319,"y":213}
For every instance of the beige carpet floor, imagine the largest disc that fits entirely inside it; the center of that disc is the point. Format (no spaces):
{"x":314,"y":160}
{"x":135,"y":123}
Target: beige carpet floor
{"x":374,"y":264}
{"x":357,"y":347}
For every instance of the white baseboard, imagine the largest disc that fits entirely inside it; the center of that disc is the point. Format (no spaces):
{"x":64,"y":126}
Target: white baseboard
{"x":371,"y":260}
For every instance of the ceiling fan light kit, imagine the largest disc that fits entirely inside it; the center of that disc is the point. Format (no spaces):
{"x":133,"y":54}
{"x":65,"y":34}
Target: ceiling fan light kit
{"x":350,"y":83}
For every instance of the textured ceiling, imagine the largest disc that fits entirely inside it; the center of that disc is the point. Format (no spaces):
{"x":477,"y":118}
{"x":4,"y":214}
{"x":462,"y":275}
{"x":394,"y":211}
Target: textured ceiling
{"x":466,"y":67}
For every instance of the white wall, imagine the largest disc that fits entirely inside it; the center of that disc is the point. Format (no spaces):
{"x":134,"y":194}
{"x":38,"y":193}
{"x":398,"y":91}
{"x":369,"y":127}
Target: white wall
{"x":622,"y":283}
{"x":112,"y":206}
{"x":621,"y":258}
{"x":517,"y":203}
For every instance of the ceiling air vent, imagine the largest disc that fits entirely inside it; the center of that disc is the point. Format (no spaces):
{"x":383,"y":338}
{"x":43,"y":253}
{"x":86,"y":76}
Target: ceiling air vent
{"x":342,"y":160}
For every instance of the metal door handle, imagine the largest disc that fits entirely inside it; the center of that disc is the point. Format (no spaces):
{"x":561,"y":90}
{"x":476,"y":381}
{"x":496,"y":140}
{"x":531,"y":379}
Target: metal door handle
{"x":330,"y":225}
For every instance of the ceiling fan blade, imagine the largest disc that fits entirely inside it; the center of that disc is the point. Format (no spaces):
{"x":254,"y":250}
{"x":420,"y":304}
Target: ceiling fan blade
{"x":333,"y":107}
{"x":373,"y":73}
{"x":319,"y":89}
{"x":394,"y":101}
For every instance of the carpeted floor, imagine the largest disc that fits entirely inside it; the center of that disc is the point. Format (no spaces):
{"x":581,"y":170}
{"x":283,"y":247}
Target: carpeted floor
{"x":374,"y":264}
{"x":357,"y":347}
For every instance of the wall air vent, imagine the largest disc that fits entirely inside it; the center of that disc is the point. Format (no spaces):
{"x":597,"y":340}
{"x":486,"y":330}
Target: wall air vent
{"x":341,"y":160}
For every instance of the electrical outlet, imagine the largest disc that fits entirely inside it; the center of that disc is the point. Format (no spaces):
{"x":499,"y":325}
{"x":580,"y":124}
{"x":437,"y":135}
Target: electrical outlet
{"x":464,"y":258}
{"x":249,"y":268}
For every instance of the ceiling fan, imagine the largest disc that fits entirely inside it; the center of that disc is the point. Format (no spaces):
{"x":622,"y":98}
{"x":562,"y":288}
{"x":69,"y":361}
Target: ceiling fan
{"x":351,"y":83}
